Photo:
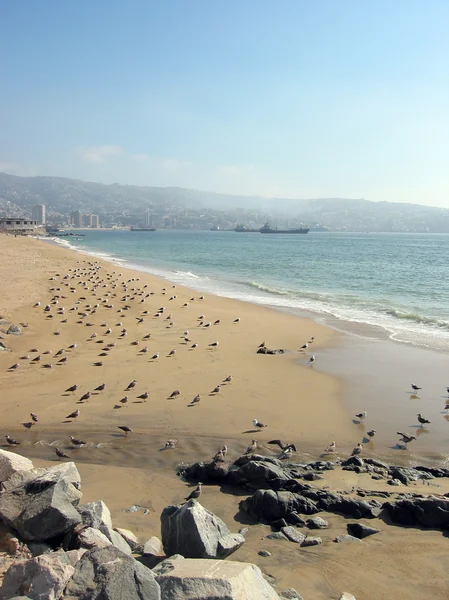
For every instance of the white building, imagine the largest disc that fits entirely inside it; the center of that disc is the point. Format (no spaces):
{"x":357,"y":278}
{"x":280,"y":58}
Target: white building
{"x":38,"y":214}
{"x":17,"y":225}
{"x":148,"y":219}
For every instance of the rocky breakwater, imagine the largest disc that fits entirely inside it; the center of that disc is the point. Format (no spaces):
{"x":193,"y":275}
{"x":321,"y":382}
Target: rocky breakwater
{"x":52,"y":546}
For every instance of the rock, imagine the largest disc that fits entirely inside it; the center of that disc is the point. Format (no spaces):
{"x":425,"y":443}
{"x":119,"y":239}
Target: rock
{"x":290,"y":594}
{"x":293,"y":534}
{"x":96,"y":515}
{"x":346,"y":538}
{"x":351,"y":507}
{"x":41,"y":512}
{"x":264,"y":350}
{"x":311,"y":541}
{"x":431,"y":511}
{"x":243,"y":531}
{"x":359,"y":530}
{"x":107,"y":573}
{"x":312,"y":476}
{"x":10,"y":463}
{"x":317,"y":523}
{"x":271,"y":506}
{"x":264,"y":553}
{"x":73,"y":556}
{"x":207,"y":472}
{"x":347,"y":596}
{"x":37,"y":549}
{"x":435,"y":471}
{"x":295,"y":519}
{"x":129,"y":538}
{"x":394,"y":482}
{"x":3,"y":347}
{"x":43,"y":578}
{"x":8,"y":542}
{"x":195,"y":532}
{"x":153,"y":547}
{"x":407,"y":476}
{"x":353,"y":461}
{"x":92,"y":538}
{"x":14,"y":330}
{"x":214,"y":580}
{"x":258,"y":471}
{"x":39,"y":479}
{"x":276,"y":535}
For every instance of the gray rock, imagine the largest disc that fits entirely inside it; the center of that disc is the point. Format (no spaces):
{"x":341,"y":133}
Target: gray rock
{"x":195,"y":532}
{"x":107,"y":573}
{"x":394,"y":482}
{"x":10,"y":463}
{"x":264,"y":553}
{"x":44,"y":578}
{"x":290,"y":594}
{"x":39,"y":513}
{"x":347,"y":596}
{"x":311,"y":541}
{"x":408,"y":475}
{"x":214,"y":580}
{"x":359,"y":530}
{"x":430,"y":511}
{"x":276,"y":535}
{"x":317,"y":523}
{"x":44,"y":478}
{"x":129,"y":538}
{"x":345,"y":538}
{"x":153,"y":547}
{"x":14,"y":330}
{"x":293,"y":534}
{"x":243,"y":531}
{"x":92,"y":538}
{"x":37,"y":549}
{"x":95,"y":514}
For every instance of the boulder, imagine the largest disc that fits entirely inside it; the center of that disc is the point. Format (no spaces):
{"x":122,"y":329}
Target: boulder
{"x":270,"y":506}
{"x":407,"y":475}
{"x":10,"y":463}
{"x":109,"y":573}
{"x":14,"y":330}
{"x":347,"y":596}
{"x":276,"y":535}
{"x":92,"y":538}
{"x":153,"y":547}
{"x":430,"y":511}
{"x":195,"y":532}
{"x":345,"y":538}
{"x":129,"y":538}
{"x":41,"y":578}
{"x":40,"y":504}
{"x":311,"y":541}
{"x":37,"y":549}
{"x":98,"y":516}
{"x":317,"y":523}
{"x":213,"y":579}
{"x":293,"y":534}
{"x":359,"y":530}
{"x":208,"y":472}
{"x":290,"y":594}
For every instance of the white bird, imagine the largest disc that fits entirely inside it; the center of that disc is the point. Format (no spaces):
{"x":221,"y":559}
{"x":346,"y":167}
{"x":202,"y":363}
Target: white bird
{"x":331,"y":448}
{"x":258,"y":424}
{"x":357,"y":449}
{"x":311,"y":359}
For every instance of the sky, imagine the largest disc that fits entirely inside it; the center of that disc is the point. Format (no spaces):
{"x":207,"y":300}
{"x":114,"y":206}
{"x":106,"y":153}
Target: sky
{"x":291,"y":98}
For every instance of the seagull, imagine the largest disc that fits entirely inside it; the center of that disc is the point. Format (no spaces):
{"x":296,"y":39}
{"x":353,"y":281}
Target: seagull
{"x":237,"y":320}
{"x":283,"y":445}
{"x":60,"y":454}
{"x":262,"y":345}
{"x":252,"y":447}
{"x":28,"y":425}
{"x":144,"y":350}
{"x":85,"y":397}
{"x":98,"y":363}
{"x":215,"y":344}
{"x":171,"y":443}
{"x":357,"y":449}
{"x":11,"y":441}
{"x":405,"y":437}
{"x":217,"y":322}
{"x":228,"y":379}
{"x":76,"y":442}
{"x":219,"y":457}
{"x":172,"y":352}
{"x":74,"y":414}
{"x":311,"y":359}
{"x":258,"y":424}
{"x":13,"y":367}
{"x":34,"y":417}
{"x":125,"y":428}
{"x":422,"y":420}
{"x":196,"y":399}
{"x":155,"y":356}
{"x":174,"y":394}
{"x":131,"y":385}
{"x":100,"y":388}
{"x":224,"y":449}
{"x":331,"y":448}
{"x":216,"y":389}
{"x":144,"y":396}
{"x":304,"y":347}
{"x":415,"y":388}
{"x":361,"y":415}
{"x":124,"y":400}
{"x":196,"y":493}
{"x":193,"y":346}
{"x":371,"y":433}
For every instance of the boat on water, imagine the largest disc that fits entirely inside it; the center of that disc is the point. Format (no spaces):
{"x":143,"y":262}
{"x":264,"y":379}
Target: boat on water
{"x":244,"y":229}
{"x":142,"y":228}
{"x":268,"y":229}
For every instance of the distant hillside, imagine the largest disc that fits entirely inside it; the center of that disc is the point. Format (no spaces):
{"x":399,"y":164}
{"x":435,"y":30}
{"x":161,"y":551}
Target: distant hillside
{"x":124,"y":204}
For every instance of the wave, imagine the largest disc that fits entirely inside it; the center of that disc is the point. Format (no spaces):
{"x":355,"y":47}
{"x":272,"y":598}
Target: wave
{"x":417,"y":318}
{"x":266,"y":288}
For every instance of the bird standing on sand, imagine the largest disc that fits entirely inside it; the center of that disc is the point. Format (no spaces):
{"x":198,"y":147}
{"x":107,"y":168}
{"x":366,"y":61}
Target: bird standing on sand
{"x":174,"y":394}
{"x":258,"y":424}
{"x":125,"y":428}
{"x":74,"y":414}
{"x":13,"y":367}
{"x":357,"y":449}
{"x":196,"y":493}
{"x":124,"y":400}
{"x":76,"y":442}
{"x":11,"y":441}
{"x":214,"y":344}
{"x":60,"y":454}
{"x":171,"y":443}
{"x":237,"y":320}
{"x":252,"y":447}
{"x":216,"y":390}
{"x":371,"y":433}
{"x":172,"y":352}
{"x":311,"y":360}
{"x":34,"y":417}
{"x":361,"y":415}
{"x":155,"y":356}
{"x":415,"y":388}
{"x":131,"y":385}
{"x":331,"y":448}
{"x":84,"y":397}
{"x":100,"y":388}
{"x":422,"y":420}
{"x":28,"y":425}
{"x":144,"y":396}
{"x":196,"y":400}
{"x":304,"y":347}
{"x":228,"y":379}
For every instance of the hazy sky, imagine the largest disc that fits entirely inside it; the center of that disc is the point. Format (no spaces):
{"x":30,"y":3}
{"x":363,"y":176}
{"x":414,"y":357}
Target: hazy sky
{"x":293,"y":98}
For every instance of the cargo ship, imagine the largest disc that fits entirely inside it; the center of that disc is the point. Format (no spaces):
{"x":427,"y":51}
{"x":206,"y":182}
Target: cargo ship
{"x":142,"y":229}
{"x":243,"y":229}
{"x":268,"y":229}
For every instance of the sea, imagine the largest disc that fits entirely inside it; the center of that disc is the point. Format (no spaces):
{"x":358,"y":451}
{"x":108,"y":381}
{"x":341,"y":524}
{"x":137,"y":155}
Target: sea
{"x":387,"y":295}
{"x":381,"y":285}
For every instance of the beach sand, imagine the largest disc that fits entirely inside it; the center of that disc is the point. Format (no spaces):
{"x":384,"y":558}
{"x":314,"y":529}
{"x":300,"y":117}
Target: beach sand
{"x":297,"y":403}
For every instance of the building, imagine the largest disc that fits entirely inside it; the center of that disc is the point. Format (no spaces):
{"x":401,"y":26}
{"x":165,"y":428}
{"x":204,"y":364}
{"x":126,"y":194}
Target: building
{"x":17,"y":225}
{"x":148,"y":219}
{"x":95,"y":221}
{"x":38,"y":214}
{"x":87,"y":220}
{"x":76,"y":218}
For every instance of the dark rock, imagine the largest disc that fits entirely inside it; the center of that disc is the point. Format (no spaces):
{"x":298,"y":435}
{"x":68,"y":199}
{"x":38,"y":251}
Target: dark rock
{"x":290,"y":594}
{"x":14,"y":330}
{"x":435,"y":471}
{"x":207,"y":472}
{"x":2,"y":347}
{"x":312,"y":476}
{"x":317,"y":523}
{"x":270,"y":506}
{"x":279,"y":524}
{"x":377,"y":477}
{"x":108,"y":573}
{"x":311,"y":541}
{"x":293,"y":534}
{"x":394,"y":482}
{"x":359,"y":530}
{"x":276,"y":535}
{"x":376,"y":463}
{"x":351,"y":507}
{"x":195,"y":532}
{"x":37,"y":549}
{"x":264,"y":350}
{"x":346,"y":538}
{"x":429,"y":511}
{"x":264,"y":553}
{"x":353,"y":461}
{"x":407,"y":476}
{"x":295,"y":519}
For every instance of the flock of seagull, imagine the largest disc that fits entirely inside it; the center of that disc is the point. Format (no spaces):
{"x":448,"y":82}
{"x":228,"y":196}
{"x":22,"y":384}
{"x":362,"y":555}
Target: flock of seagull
{"x":111,"y":288}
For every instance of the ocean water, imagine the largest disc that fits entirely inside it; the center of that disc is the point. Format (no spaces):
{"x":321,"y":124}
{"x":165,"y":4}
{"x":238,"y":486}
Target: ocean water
{"x":377,"y":285}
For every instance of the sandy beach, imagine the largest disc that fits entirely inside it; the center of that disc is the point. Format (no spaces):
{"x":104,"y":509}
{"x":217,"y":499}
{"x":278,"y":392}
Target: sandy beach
{"x":296,"y":402}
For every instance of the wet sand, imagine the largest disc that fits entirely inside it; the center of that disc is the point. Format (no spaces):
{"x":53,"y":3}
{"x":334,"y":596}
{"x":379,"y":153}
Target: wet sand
{"x":297,"y":402}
